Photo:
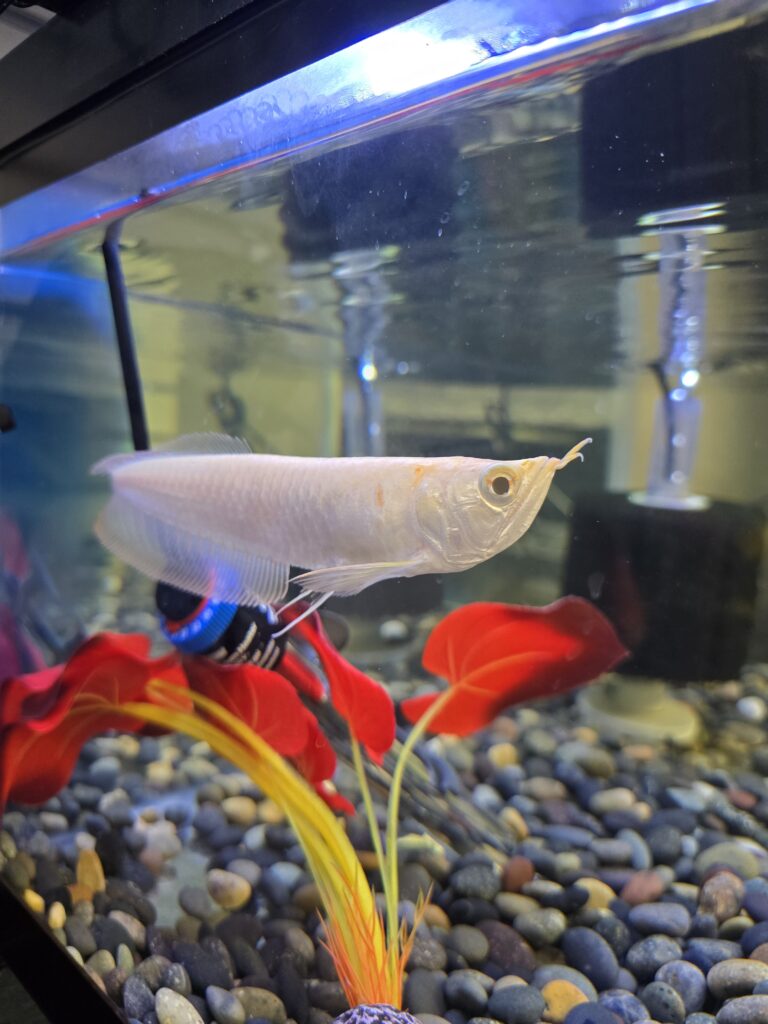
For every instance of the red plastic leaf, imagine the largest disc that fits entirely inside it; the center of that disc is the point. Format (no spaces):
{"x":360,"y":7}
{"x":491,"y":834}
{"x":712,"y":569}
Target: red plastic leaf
{"x":263,"y":700}
{"x":365,"y":704}
{"x":334,"y":799}
{"x":29,"y":696}
{"x":521,"y":655}
{"x":301,"y":676}
{"x":43,"y":698}
{"x":317,"y":761}
{"x":37,"y":755}
{"x":455,"y":635}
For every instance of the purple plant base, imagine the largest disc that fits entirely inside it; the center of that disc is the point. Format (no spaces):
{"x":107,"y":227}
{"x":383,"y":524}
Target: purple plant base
{"x":377,"y":1013}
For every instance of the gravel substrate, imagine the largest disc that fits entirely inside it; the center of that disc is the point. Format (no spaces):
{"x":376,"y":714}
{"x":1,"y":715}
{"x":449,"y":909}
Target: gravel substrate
{"x":633,"y":883}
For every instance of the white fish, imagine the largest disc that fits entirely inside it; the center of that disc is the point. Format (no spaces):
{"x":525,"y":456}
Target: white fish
{"x":206,"y":515}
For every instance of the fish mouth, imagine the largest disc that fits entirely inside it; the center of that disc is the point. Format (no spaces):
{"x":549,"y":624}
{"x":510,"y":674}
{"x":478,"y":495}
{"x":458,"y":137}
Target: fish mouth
{"x":538,"y":485}
{"x":573,"y":453}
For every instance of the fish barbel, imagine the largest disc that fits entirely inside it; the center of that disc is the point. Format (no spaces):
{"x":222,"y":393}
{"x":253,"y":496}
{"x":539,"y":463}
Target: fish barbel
{"x":207,"y":515}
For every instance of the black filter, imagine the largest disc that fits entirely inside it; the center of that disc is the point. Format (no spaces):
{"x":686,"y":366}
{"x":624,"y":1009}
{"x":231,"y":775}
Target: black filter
{"x":679,"y":585}
{"x":676,"y":128}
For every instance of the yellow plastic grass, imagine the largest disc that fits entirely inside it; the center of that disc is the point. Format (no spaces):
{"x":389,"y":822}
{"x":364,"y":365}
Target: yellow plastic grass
{"x":370,"y":967}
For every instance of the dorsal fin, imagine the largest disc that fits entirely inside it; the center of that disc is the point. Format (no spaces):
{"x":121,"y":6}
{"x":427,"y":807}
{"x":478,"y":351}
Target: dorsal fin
{"x":187,"y":444}
{"x":205,"y":444}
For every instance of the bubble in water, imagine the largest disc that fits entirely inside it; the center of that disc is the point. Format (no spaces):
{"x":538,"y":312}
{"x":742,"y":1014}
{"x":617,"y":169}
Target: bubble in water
{"x":463,"y":188}
{"x":445,"y":217}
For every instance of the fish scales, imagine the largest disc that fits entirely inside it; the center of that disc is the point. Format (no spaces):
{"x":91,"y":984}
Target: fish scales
{"x":308,"y":512}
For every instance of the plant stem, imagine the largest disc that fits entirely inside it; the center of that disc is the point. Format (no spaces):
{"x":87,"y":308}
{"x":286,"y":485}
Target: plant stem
{"x":417,"y":731}
{"x":373,"y":827}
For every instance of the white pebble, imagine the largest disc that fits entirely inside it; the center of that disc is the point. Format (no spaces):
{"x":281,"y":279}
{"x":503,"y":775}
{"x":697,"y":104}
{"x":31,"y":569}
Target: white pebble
{"x":752,"y":708}
{"x":171,"y":1008}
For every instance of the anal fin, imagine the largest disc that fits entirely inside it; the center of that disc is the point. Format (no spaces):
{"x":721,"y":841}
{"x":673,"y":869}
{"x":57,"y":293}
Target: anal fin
{"x":345,"y":580}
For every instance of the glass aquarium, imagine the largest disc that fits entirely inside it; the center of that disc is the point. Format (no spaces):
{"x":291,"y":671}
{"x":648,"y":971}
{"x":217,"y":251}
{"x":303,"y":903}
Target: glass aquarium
{"x":491,"y":232}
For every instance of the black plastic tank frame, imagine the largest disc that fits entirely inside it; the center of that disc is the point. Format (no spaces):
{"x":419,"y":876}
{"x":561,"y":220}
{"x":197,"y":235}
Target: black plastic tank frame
{"x":33,"y":954}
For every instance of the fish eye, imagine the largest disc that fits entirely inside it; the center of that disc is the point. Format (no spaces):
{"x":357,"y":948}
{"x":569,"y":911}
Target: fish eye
{"x":498,"y":485}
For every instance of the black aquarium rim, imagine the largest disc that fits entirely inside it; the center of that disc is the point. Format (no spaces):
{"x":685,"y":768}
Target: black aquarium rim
{"x":61,"y":989}
{"x":162,"y":78}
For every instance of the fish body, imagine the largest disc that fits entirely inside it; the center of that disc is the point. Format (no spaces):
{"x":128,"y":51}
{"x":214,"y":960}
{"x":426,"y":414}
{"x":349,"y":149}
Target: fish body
{"x":228,"y":523}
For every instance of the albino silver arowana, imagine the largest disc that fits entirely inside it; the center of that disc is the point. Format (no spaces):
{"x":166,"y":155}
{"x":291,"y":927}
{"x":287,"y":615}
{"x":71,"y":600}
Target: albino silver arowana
{"x":208,"y":516}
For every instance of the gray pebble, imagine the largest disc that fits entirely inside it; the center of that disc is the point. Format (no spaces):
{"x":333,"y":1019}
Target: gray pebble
{"x":468,"y":942}
{"x":487,"y":798}
{"x":138,"y":999}
{"x":516,"y":1004}
{"x":53,"y":822}
{"x":135,"y":929}
{"x":644,"y":958}
{"x":735,"y":977}
{"x":80,"y":936}
{"x":259,"y":1002}
{"x":176,"y":977}
{"x":687,"y":980}
{"x":730,"y":855}
{"x":594,"y":760}
{"x":427,"y":953}
{"x":464,"y":993}
{"x":299,"y":944}
{"x":101,"y":962}
{"x":247,"y":869}
{"x":114,"y":981}
{"x":612,"y":851}
{"x":224,"y":1006}
{"x":663,"y":1003}
{"x":541,"y":927}
{"x":415,"y":881}
{"x":589,"y":953}
{"x":616,"y":798}
{"x":285,"y":874}
{"x":477,"y":881}
{"x":151,"y":970}
{"x":196,"y":902}
{"x":124,"y":959}
{"x":424,"y":991}
{"x":756,"y":898}
{"x":721,"y":895}
{"x":688,"y":799}
{"x":540,"y":741}
{"x":641,"y":859}
{"x":746,"y":1010}
{"x":328,"y":996}
{"x":104,"y":771}
{"x":660,"y":919}
{"x":625,"y":1005}
{"x":7,"y":843}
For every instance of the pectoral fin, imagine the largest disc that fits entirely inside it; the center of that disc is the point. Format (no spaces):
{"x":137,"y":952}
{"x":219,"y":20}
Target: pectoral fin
{"x":345,"y":580}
